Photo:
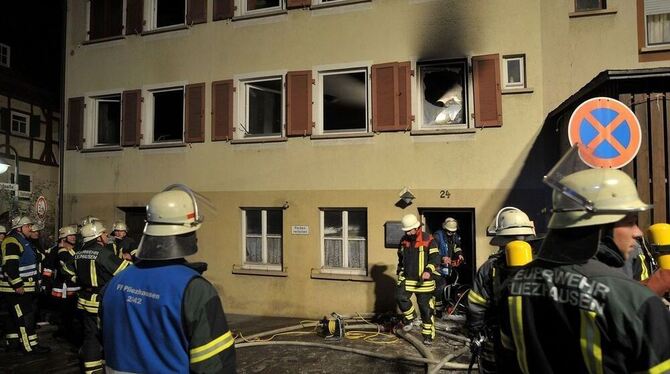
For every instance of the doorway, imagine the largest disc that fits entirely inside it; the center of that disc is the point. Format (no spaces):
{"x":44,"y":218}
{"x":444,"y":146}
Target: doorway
{"x":433,"y":218}
{"x":135,"y":219}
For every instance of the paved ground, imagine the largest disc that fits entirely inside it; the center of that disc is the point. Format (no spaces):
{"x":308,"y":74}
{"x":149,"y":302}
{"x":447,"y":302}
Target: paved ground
{"x":266,"y":359}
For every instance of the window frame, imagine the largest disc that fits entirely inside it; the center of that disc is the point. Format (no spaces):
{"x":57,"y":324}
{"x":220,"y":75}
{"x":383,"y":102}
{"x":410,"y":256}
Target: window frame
{"x":124,"y":6}
{"x":317,"y":95}
{"x":603,"y":6}
{"x":264,"y":236}
{"x":147,"y":126}
{"x":241,"y":115}
{"x":22,"y":194}
{"x":468,"y":90}
{"x":345,"y":243}
{"x":151,"y":9}
{"x":92,"y":117}
{"x":242,"y":11}
{"x":6,"y":55}
{"x":665,"y":45}
{"x":522,"y":73}
{"x":24,"y":116}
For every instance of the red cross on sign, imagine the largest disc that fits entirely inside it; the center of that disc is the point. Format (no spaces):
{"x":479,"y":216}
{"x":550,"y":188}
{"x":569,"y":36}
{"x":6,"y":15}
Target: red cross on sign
{"x":607,"y":131}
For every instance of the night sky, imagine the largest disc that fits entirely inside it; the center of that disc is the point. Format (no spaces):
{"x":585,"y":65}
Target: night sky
{"x":33,"y":30}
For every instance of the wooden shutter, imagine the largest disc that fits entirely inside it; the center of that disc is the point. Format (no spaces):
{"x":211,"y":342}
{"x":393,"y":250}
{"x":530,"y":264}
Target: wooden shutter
{"x":222,"y":110}
{"x":404,"y":95}
{"x":35,"y":126}
{"x":291,"y":4}
{"x":195,"y":113}
{"x":299,"y":103}
{"x":488,"y":100}
{"x":196,"y":11}
{"x":131,"y":126}
{"x":223,"y":9}
{"x":5,"y":119}
{"x":75,"y":118}
{"x":134,"y":16}
{"x":391,"y":105}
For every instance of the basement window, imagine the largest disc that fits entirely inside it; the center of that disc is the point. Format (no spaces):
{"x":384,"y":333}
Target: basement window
{"x":262,"y":238}
{"x":262,"y":104}
{"x":343,"y":101}
{"x":20,"y":123}
{"x":168,"y":13}
{"x":107,"y":115}
{"x":344,"y":241}
{"x":443,"y":94}
{"x":168,"y":115}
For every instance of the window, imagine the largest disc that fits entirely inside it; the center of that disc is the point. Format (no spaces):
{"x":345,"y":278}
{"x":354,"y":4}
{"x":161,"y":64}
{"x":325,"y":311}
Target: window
{"x":442,"y":89}
{"x":167,"y":124}
{"x":657,"y":22}
{"x":344,"y":240}
{"x":514,"y":71}
{"x":166,"y":13}
{"x":343,"y":98}
{"x":587,"y":5}
{"x":25,"y":184}
{"x":262,"y":238}
{"x":105,"y":18}
{"x":4,"y":55}
{"x":107,"y":119}
{"x":262,"y":105}
{"x":20,"y":123}
{"x":258,"y":6}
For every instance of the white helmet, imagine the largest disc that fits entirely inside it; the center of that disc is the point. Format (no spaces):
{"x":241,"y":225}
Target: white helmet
{"x":3,"y":229}
{"x":450,"y":224}
{"x":120,"y":226}
{"x":594,"y":197}
{"x":88,"y":219}
{"x":92,"y":230}
{"x":36,"y":227}
{"x":66,"y":231}
{"x":409,"y":222}
{"x":511,"y":221}
{"x":20,"y":221}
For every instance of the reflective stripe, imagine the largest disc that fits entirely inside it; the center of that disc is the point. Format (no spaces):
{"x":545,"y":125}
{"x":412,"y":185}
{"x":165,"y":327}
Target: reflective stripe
{"x":645,"y":271}
{"x":94,"y":274}
{"x":12,"y":336}
{"x":65,"y":268}
{"x":212,"y":348}
{"x":421,"y":260}
{"x":90,"y":364}
{"x":28,"y":274}
{"x":663,"y":367}
{"x":17,"y":309}
{"x":433,"y":250}
{"x":124,"y":264}
{"x":27,"y":267}
{"x":409,"y":312}
{"x":15,"y":281}
{"x":476,"y":298}
{"x":10,"y":257}
{"x":515,"y":305}
{"x":431,"y":267}
{"x":24,"y":339}
{"x":590,"y":342}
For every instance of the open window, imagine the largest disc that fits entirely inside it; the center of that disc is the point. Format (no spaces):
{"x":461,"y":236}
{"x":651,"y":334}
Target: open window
{"x":166,"y":116}
{"x":251,"y":7}
{"x":261,"y":107}
{"x":167,"y":13}
{"x":343,"y":101}
{"x":443,"y":96}
{"x":107,"y":120}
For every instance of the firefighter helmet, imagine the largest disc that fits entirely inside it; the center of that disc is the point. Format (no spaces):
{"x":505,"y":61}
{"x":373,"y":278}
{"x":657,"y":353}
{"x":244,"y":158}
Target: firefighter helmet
{"x":66,"y":231}
{"x":20,"y":221}
{"x":37,"y":227}
{"x":594,"y":197}
{"x":120,"y":226}
{"x":88,"y":219}
{"x":409,"y":222}
{"x":450,"y":224}
{"x":3,"y":229}
{"x":92,"y":231}
{"x":511,"y":221}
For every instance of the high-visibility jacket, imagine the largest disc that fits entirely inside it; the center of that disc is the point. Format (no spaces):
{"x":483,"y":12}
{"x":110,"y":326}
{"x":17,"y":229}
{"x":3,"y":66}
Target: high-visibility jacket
{"x":418,"y":254}
{"x":163,"y":317}
{"x":95,"y":265}
{"x":19,"y":264}
{"x":582,"y":318}
{"x":65,"y":283}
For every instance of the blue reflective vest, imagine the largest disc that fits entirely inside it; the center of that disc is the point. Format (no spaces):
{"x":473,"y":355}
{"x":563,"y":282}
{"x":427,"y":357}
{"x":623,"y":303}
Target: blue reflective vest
{"x":28,"y":260}
{"x":142,"y":320}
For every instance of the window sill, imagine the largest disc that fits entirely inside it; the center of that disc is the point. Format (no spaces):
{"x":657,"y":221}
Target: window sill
{"x":258,"y":140}
{"x":319,"y":274}
{"x":103,"y":40}
{"x":662,"y":48}
{"x":442,"y":131}
{"x":165,"y":145}
{"x":343,"y":136}
{"x":338,"y":3}
{"x":591,"y":13}
{"x":164,"y":29}
{"x":516,"y":91}
{"x":260,"y":15}
{"x":102,"y":149}
{"x":237,"y":269}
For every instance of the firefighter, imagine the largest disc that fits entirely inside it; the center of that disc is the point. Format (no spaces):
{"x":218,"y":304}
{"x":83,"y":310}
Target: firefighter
{"x":510,"y":224}
{"x":162,"y":315}
{"x":19,"y":282}
{"x":451,"y":256}
{"x":3,"y":232}
{"x":567,"y":312}
{"x":95,"y":264}
{"x":65,"y":286}
{"x":418,"y":260}
{"x":126,"y":245}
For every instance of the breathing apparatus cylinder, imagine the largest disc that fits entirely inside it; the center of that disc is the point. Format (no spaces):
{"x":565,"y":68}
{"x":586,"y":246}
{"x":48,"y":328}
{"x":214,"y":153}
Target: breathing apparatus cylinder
{"x":659,"y":237}
{"x":518,"y":253}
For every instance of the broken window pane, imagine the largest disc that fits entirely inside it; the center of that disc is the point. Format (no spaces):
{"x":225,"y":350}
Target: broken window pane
{"x":264,"y":107}
{"x":168,"y":115}
{"x":344,"y":101}
{"x":109,"y":120}
{"x":443,"y":91}
{"x":169,"y":12}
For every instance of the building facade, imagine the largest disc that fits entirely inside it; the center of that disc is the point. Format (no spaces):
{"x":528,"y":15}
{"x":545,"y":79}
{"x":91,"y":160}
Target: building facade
{"x":302,"y":122}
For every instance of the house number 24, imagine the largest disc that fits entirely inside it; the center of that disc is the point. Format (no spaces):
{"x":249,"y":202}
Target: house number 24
{"x":445,"y":194}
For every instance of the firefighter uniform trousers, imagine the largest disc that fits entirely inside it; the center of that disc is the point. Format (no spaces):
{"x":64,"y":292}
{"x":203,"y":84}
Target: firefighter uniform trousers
{"x":21,"y":324}
{"x":91,"y":349}
{"x":426,"y":301}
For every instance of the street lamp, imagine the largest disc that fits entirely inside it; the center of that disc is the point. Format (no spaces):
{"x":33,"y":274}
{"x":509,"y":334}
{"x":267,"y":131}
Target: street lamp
{"x":4,"y":166}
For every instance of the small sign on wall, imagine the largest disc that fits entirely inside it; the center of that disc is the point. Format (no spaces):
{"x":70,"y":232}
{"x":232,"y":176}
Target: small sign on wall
{"x":300,"y":230}
{"x":392,"y":234}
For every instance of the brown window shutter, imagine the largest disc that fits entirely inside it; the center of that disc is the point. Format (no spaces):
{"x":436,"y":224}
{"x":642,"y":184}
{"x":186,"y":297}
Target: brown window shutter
{"x":223,"y":9}
{"x":195,"y":113}
{"x":222,"y":110}
{"x":292,"y":4}
{"x":96,"y":24}
{"x":134,"y":16}
{"x":299,"y":103}
{"x":384,"y":97}
{"x":488,"y":100}
{"x":75,"y":126}
{"x":35,"y":126}
{"x":131,"y":127}
{"x":196,"y":11}
{"x":404,"y":95}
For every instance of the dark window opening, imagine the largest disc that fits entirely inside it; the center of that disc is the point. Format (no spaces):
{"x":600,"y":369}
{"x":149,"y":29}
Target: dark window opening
{"x":109,"y":120}
{"x":261,"y":4}
{"x":345,"y":101}
{"x":264,"y":107}
{"x":105,"y":18}
{"x":24,"y":182}
{"x":170,"y":12}
{"x":444,"y":93}
{"x":168,"y":116}
{"x":586,"y":5}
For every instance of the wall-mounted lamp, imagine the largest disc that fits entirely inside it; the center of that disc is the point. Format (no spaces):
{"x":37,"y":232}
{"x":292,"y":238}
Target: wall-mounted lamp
{"x":285,"y":205}
{"x":406,"y":196}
